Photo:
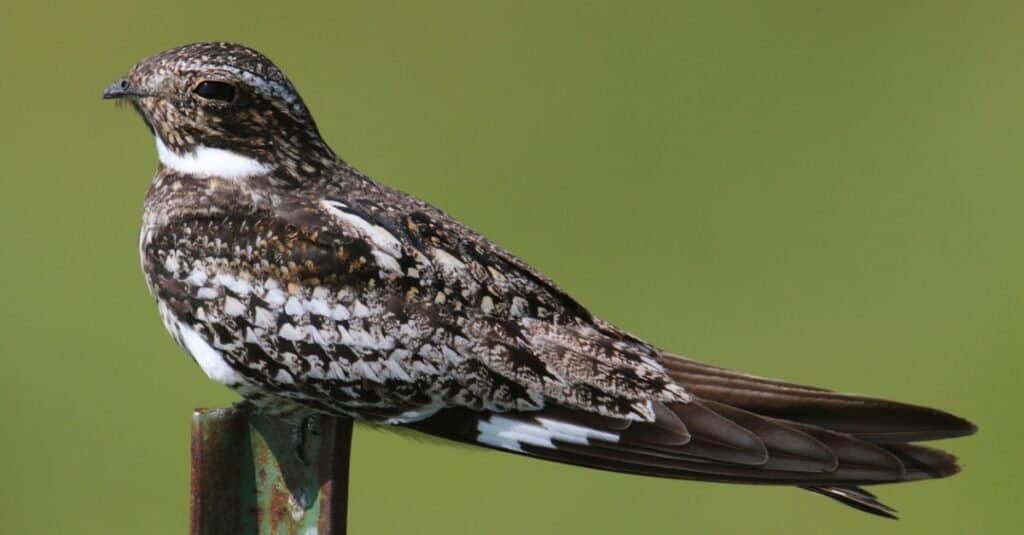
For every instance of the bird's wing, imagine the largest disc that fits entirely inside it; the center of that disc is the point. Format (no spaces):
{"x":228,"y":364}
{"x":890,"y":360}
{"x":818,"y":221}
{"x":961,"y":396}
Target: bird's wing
{"x":550,"y":387}
{"x":526,"y":329}
{"x":321,"y":303}
{"x":736,"y":428}
{"x":867,"y":418}
{"x":520,"y":341}
{"x":708,"y":441}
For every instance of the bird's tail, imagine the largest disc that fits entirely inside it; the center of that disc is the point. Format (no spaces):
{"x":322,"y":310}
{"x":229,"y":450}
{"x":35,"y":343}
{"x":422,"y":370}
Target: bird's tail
{"x":739,"y":429}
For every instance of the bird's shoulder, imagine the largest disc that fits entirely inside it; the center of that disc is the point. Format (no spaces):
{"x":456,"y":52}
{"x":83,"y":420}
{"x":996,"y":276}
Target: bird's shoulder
{"x":409,"y":239}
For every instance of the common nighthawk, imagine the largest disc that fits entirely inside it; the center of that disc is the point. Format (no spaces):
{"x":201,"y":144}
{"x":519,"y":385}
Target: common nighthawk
{"x":307,"y":287}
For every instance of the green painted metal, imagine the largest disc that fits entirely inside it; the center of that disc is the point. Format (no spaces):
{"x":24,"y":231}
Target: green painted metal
{"x":248,"y":479}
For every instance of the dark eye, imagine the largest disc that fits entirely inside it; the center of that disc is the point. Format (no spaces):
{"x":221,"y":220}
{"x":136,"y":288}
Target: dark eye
{"x":215,"y":90}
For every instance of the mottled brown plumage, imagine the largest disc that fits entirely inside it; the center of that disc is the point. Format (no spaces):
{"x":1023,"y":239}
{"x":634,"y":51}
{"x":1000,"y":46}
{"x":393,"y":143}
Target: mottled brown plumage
{"x":301,"y":283}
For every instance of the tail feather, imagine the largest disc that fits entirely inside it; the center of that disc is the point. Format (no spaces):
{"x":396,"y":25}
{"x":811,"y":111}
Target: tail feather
{"x":717,"y":438}
{"x":871,"y":419}
{"x":789,"y":448}
{"x":666,"y":430}
{"x":859,"y":460}
{"x":737,"y":429}
{"x":924,"y":463}
{"x":857,"y":498}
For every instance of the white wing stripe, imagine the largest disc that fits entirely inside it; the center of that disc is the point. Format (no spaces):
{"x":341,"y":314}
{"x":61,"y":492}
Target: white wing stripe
{"x":509,"y":433}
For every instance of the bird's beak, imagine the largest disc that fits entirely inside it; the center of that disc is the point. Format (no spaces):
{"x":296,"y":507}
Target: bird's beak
{"x":120,"y":89}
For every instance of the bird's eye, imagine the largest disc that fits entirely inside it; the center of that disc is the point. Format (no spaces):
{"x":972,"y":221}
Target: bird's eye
{"x":215,"y":90}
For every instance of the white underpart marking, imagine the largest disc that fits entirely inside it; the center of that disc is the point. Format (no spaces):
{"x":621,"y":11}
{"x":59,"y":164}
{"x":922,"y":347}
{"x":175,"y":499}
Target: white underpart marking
{"x":274,"y":297}
{"x":223,"y":279}
{"x":289,"y":332}
{"x":510,"y":434}
{"x":196,"y":278}
{"x":293,"y":307}
{"x":284,"y":377}
{"x":395,"y":370}
{"x":363,"y":370}
{"x":206,"y":293}
{"x":359,"y":310}
{"x":208,"y":358}
{"x":335,"y":371}
{"x":424,"y":368}
{"x":316,"y":370}
{"x":317,"y":336}
{"x":317,"y":306}
{"x":265,"y":319}
{"x":210,"y":162}
{"x":250,"y":336}
{"x":233,"y":307}
{"x":339,"y":313}
{"x":171,"y":263}
{"x":240,"y":287}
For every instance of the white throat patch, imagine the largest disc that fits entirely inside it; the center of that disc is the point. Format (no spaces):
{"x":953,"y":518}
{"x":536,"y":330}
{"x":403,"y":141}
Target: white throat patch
{"x":206,"y":161}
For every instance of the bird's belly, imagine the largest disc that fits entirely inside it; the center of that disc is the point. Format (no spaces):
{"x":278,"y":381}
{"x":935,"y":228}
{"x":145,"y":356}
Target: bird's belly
{"x":291,"y":345}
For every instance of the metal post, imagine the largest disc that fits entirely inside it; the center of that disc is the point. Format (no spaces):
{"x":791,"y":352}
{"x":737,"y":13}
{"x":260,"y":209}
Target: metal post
{"x":247,"y":478}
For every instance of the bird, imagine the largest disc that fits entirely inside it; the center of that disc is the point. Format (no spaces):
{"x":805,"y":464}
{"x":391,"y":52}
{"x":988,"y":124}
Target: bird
{"x":309,"y":288}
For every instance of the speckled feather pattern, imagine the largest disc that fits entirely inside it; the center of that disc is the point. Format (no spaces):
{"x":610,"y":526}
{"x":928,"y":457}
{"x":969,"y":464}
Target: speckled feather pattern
{"x":344,"y":307}
{"x":307,"y":287}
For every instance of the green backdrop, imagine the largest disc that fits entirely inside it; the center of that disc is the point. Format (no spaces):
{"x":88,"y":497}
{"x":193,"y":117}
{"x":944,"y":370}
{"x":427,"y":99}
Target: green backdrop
{"x":829,"y":193}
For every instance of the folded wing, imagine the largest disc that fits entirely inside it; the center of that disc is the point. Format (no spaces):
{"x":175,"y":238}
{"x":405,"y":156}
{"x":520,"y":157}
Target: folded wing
{"x":738,"y":429}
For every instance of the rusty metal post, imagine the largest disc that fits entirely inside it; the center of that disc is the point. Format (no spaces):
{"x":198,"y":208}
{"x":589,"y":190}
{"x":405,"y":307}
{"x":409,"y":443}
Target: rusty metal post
{"x":247,"y":478}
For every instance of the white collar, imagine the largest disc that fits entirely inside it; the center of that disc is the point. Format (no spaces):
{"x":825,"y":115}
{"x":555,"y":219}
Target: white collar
{"x":210,"y":162}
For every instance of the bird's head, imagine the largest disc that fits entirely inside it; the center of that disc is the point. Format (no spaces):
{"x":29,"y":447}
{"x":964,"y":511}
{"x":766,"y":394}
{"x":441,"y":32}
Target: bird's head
{"x":223,"y":109}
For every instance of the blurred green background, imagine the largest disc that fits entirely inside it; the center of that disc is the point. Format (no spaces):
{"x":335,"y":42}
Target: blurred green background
{"x":825,"y":193}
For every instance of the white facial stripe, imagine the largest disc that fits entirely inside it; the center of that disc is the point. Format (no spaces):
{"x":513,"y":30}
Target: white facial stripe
{"x":210,"y":162}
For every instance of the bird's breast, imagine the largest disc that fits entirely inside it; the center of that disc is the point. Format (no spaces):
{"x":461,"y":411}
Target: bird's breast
{"x":255,"y":312}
